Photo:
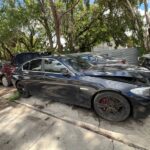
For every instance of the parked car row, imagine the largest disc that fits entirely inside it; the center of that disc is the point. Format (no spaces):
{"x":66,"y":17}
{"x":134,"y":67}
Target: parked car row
{"x":145,"y":61}
{"x":110,"y":86}
{"x":100,"y":59}
{"x":7,"y":69}
{"x":114,"y":91}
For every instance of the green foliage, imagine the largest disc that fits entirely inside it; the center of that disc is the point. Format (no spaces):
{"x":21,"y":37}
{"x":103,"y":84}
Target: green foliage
{"x":15,"y":96}
{"x":29,"y":25}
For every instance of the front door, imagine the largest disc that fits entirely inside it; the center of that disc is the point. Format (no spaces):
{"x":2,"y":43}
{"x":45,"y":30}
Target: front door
{"x":58,"y":86}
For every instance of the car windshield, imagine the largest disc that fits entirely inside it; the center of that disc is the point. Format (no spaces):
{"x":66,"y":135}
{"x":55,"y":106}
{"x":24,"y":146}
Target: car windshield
{"x":77,"y":63}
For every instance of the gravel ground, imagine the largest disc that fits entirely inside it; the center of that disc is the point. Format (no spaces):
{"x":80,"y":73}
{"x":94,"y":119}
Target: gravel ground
{"x":4,"y":94}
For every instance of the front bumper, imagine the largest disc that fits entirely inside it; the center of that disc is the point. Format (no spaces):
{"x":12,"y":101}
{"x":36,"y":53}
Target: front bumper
{"x":141,"y":107}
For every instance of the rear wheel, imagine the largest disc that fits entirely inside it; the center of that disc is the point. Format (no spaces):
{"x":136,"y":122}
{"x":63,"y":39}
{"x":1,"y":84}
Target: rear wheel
{"x":22,"y":90}
{"x":5,"y":81}
{"x":112,"y":106}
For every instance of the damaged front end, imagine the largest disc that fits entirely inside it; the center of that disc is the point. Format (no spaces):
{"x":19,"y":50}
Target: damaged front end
{"x":126,"y":74}
{"x":134,"y":84}
{"x":140,"y":101}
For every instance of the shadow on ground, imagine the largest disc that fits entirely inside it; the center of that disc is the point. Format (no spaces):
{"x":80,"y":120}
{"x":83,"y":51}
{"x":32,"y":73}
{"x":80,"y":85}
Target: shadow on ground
{"x":134,"y":131}
{"x":29,"y":129}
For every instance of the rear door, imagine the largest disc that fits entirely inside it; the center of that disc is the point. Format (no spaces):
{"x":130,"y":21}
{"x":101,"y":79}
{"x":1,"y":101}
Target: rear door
{"x":33,"y":76}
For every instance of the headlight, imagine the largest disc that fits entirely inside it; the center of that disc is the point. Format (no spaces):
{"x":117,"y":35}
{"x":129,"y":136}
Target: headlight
{"x":144,"y":91}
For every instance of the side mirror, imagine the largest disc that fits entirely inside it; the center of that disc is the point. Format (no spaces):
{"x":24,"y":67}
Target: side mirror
{"x":65,"y":72}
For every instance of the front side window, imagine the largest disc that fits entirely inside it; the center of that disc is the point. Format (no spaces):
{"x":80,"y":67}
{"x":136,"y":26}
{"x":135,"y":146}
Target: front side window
{"x":36,"y":65}
{"x":26,"y":66}
{"x":51,"y":65}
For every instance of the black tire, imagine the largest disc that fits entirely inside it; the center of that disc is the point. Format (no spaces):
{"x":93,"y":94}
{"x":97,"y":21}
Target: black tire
{"x":5,"y":81}
{"x":112,"y":106}
{"x":23,"y":90}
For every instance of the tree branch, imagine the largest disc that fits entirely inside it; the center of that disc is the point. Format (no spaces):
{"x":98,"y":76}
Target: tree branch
{"x":71,"y":8}
{"x":146,"y":12}
{"x":89,"y":25}
{"x":6,"y":49}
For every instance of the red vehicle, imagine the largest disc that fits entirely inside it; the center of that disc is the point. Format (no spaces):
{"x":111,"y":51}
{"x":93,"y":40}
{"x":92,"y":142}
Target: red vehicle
{"x":6,"y":73}
{"x":7,"y":69}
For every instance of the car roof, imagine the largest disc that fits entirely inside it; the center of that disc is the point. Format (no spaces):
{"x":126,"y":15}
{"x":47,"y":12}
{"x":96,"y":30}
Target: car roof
{"x":53,"y":56}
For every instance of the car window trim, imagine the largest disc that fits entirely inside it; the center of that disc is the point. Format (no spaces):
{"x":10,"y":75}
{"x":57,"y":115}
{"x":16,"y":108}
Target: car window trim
{"x":43,"y":70}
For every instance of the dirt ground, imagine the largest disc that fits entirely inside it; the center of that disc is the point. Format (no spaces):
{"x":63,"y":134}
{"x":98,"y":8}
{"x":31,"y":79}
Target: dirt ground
{"x":87,"y":129}
{"x":4,"y":102}
{"x":131,"y":132}
{"x":23,"y":128}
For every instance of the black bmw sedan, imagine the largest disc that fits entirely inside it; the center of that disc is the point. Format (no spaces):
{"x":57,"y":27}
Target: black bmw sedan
{"x":114,"y":92}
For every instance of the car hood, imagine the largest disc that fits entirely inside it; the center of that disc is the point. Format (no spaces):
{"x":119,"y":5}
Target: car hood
{"x":118,"y":71}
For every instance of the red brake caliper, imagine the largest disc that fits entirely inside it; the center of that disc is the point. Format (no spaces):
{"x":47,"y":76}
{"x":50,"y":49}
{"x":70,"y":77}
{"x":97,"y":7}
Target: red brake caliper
{"x":104,"y":101}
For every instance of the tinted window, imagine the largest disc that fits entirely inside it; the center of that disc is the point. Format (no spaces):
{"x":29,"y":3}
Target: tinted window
{"x":26,"y":66}
{"x":53,"y":66}
{"x":36,"y":65}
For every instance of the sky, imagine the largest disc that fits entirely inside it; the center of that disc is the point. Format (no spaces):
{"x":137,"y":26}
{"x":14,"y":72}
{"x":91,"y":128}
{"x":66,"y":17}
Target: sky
{"x":141,"y":7}
{"x":91,"y":1}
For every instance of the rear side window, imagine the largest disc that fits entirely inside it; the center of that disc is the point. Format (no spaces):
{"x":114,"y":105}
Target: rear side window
{"x":36,"y":65}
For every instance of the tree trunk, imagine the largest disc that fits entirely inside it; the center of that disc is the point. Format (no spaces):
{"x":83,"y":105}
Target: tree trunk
{"x":148,"y":25}
{"x":45,"y":24}
{"x":57,"y":24}
{"x":133,"y":13}
{"x":146,"y":13}
{"x":141,"y":34}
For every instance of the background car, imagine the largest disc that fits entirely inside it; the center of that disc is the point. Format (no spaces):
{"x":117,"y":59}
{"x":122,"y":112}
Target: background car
{"x":144,"y":61}
{"x":100,"y":59}
{"x":9,"y":67}
{"x":112,"y":60}
{"x":115,"y":92}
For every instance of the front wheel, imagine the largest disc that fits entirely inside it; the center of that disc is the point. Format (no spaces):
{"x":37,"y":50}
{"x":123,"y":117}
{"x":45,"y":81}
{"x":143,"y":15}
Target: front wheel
{"x":22,"y":90}
{"x":112,"y":106}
